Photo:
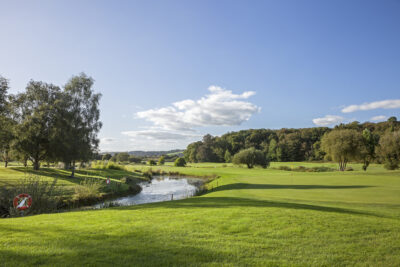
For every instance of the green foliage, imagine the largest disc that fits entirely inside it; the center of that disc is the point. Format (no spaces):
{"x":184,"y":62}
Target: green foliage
{"x":180,"y":162}
{"x":343,"y":145}
{"x":123,"y":157}
{"x":45,"y":196}
{"x":88,"y":189}
{"x":389,"y":150}
{"x":251,"y":157}
{"x":134,"y":159}
{"x":228,"y":156}
{"x":152,"y":162}
{"x":161,"y":160}
{"x":107,"y":165}
{"x":368,"y":150}
{"x":106,"y":157}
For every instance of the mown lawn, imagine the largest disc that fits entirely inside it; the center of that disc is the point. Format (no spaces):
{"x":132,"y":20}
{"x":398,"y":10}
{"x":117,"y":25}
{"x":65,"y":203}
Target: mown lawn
{"x":252,"y":217}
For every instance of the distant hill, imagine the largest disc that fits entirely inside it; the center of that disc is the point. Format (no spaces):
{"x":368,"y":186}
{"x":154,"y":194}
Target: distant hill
{"x":139,"y":153}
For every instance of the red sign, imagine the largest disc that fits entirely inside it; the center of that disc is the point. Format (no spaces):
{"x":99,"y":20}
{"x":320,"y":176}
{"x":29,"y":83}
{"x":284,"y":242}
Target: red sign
{"x":22,"y":202}
{"x":108,"y":181}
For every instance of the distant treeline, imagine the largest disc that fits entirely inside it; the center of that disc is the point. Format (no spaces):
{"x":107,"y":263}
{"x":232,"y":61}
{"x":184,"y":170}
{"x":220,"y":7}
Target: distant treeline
{"x":46,"y":123}
{"x":146,"y":154}
{"x":278,"y":145}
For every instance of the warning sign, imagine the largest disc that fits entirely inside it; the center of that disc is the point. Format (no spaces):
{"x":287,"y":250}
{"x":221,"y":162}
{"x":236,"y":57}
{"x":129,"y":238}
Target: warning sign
{"x":22,"y":202}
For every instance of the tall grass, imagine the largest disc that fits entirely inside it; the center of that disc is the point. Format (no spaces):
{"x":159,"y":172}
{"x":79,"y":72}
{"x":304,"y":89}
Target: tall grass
{"x":104,"y":165}
{"x":46,"y":197}
{"x":88,"y":189}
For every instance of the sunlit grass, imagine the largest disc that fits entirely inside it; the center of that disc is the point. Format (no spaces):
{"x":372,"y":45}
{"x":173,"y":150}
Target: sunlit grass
{"x":251,"y":217}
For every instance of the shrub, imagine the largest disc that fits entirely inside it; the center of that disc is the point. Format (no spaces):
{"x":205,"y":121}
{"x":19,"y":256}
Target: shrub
{"x":389,"y":150}
{"x":152,"y":162}
{"x":180,"y":162}
{"x":284,"y":168}
{"x":107,"y":165}
{"x":251,"y":157}
{"x":88,"y":189}
{"x":349,"y":169}
{"x":161,"y":160}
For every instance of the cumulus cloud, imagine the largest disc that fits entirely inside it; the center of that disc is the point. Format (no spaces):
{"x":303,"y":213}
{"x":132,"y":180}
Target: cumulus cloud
{"x":328,"y":120}
{"x":379,"y":118}
{"x":220,"y":107}
{"x":385,"y":104}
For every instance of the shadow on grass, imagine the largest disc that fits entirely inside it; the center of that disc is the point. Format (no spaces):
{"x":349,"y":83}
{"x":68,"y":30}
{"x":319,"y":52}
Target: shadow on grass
{"x":227,"y":202}
{"x":79,"y":174}
{"x":239,"y":186}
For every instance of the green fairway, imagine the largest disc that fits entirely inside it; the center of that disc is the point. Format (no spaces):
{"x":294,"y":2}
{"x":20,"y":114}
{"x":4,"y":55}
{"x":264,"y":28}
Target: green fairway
{"x":250,"y":217}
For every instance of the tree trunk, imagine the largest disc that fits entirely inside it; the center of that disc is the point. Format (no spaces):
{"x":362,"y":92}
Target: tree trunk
{"x":36,"y":164}
{"x":5,"y":163}
{"x":73,"y":169}
{"x":25,"y":163}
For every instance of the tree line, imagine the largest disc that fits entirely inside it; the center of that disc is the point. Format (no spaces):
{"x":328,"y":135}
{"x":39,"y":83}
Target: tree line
{"x":46,"y":123}
{"x":362,"y":142}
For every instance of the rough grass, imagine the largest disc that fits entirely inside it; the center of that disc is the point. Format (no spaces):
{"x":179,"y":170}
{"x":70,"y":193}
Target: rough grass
{"x":251,"y":217}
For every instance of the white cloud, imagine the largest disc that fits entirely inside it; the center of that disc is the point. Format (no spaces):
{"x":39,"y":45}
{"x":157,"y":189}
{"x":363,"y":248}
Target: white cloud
{"x":379,"y":118}
{"x":385,"y":104}
{"x":328,"y":120}
{"x":221,"y":107}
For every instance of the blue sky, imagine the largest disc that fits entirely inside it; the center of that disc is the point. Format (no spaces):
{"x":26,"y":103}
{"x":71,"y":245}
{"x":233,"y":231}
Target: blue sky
{"x":171,"y":71}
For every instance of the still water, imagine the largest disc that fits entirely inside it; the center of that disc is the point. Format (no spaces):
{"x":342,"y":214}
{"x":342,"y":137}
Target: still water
{"x":160,"y":189}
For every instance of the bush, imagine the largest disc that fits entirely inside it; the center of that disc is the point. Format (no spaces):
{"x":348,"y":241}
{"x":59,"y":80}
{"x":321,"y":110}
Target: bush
{"x":251,"y":157}
{"x":152,"y":162}
{"x":45,"y":197}
{"x":284,"y":168}
{"x":349,"y":169}
{"x":109,"y":165}
{"x":88,"y":189}
{"x":161,"y":160}
{"x":180,"y":162}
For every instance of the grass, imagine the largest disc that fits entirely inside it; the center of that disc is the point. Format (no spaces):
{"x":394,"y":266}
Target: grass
{"x":252,"y":217}
{"x":11,"y":175}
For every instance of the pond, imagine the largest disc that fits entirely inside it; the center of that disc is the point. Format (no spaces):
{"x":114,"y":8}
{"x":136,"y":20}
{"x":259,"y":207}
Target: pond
{"x":163,"y":188}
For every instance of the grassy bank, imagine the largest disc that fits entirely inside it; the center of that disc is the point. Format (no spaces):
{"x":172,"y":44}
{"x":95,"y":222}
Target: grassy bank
{"x":88,"y":185}
{"x":251,"y":217}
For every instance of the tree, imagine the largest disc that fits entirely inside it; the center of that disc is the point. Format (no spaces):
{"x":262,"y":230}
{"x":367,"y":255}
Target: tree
{"x":106,"y":156}
{"x":228,"y":156}
{"x":35,"y":112}
{"x":6,"y":122}
{"x":161,"y":160}
{"x":368,"y":151}
{"x":152,"y":162}
{"x":389,"y":150}
{"x":134,"y":159}
{"x":180,"y":162}
{"x":114,"y":158}
{"x":123,"y":157}
{"x":78,"y":121}
{"x":251,"y":157}
{"x":342,"y":145}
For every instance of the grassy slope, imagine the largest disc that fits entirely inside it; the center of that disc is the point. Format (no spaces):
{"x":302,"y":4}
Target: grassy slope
{"x":11,"y":176}
{"x":254,"y":217}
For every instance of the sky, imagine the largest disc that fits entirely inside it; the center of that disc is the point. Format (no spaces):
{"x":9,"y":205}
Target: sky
{"x":171,"y":71}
